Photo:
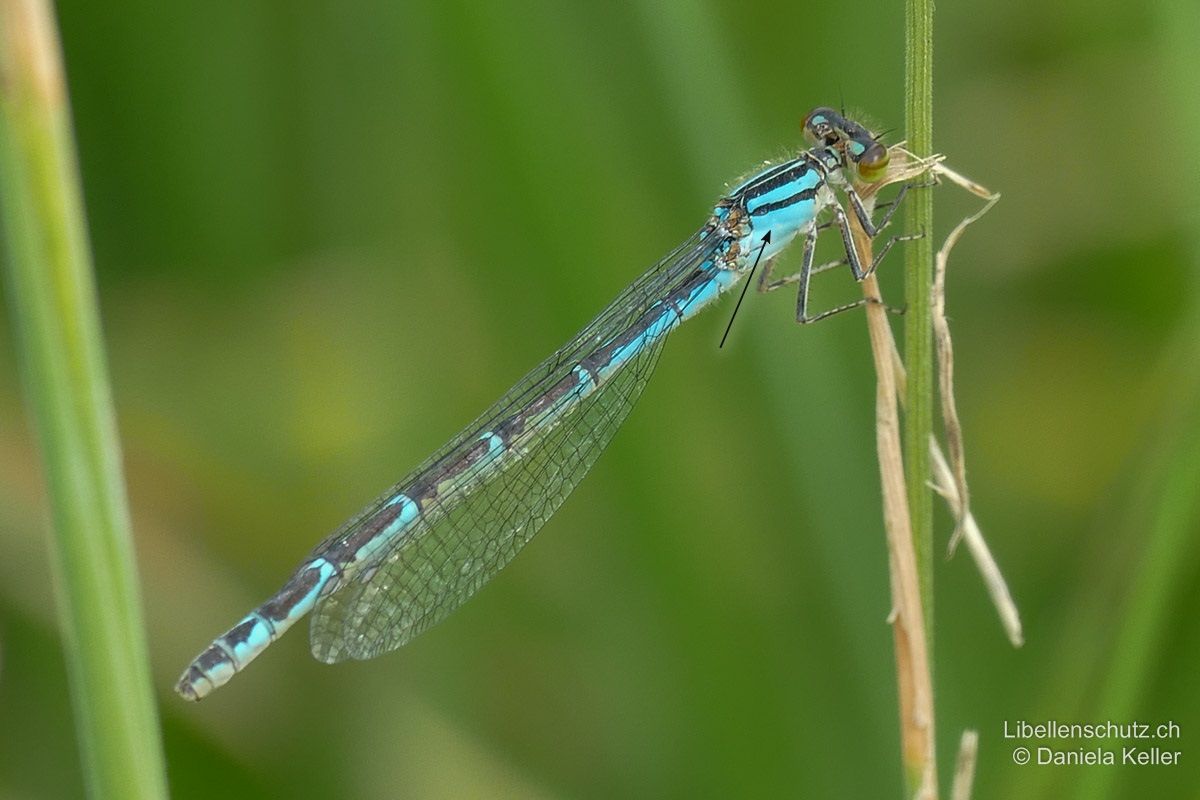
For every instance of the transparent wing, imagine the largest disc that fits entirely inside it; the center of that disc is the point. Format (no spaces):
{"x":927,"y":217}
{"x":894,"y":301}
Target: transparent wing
{"x":442,"y":563}
{"x":468,"y":533}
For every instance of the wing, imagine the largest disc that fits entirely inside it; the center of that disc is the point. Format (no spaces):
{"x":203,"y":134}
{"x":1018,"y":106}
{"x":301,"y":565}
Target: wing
{"x":483,"y":496}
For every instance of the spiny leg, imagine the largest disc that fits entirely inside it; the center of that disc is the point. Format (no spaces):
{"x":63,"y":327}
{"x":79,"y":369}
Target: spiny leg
{"x":839,"y":309}
{"x":856,"y":266}
{"x":765,"y":284}
{"x":794,"y":277}
{"x":804,"y":276}
{"x":871,"y":227}
{"x":807,"y":270}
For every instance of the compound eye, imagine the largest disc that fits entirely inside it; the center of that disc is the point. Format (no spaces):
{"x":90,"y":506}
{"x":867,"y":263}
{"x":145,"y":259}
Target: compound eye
{"x":818,"y":128}
{"x":873,"y":163}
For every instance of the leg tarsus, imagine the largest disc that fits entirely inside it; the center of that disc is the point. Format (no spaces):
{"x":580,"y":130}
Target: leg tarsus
{"x":856,"y":304}
{"x":796,"y":276}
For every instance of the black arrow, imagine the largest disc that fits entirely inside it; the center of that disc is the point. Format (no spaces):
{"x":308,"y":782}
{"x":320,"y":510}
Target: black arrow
{"x":766,"y":240}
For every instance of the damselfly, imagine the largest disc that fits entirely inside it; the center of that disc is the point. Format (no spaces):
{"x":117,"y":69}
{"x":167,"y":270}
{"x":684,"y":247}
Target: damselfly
{"x":431,"y":541}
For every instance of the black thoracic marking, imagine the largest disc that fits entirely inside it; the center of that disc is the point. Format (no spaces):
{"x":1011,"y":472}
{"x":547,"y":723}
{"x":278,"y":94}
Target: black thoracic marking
{"x":278,"y":607}
{"x":800,"y":196}
{"x":773,"y":174}
{"x":767,"y":185}
{"x":343,"y":550}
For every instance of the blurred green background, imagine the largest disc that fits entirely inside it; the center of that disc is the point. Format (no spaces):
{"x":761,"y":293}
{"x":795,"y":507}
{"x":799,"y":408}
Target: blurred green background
{"x":328,"y":234}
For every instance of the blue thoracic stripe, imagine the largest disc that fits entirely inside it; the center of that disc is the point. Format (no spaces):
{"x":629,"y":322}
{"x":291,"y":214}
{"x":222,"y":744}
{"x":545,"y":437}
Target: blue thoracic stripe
{"x":779,"y":192}
{"x":787,"y":204}
{"x":784,"y":223}
{"x":783,"y":203}
{"x":782,"y":200}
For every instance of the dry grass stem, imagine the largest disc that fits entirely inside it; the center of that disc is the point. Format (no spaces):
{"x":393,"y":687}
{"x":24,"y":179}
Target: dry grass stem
{"x":914,"y":675}
{"x":913,"y":671}
{"x":989,"y":571}
{"x":945,"y":357}
{"x":964,"y":766}
{"x":950,"y":474}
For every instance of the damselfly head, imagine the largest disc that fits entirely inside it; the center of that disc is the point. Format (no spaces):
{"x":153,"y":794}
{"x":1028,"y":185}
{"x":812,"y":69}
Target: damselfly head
{"x":820,"y":126}
{"x":858,"y":148}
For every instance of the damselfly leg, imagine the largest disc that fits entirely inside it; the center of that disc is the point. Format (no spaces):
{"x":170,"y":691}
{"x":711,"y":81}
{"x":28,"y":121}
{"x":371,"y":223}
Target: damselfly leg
{"x":852,"y":258}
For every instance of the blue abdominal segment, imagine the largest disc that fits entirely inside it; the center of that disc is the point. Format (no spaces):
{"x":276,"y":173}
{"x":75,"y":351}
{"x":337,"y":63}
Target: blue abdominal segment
{"x":242,"y":643}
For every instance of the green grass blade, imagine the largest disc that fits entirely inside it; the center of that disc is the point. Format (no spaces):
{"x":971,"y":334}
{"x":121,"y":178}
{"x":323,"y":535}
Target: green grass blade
{"x":918,"y":321}
{"x":918,"y":278}
{"x":53,"y":303}
{"x":1170,"y":513}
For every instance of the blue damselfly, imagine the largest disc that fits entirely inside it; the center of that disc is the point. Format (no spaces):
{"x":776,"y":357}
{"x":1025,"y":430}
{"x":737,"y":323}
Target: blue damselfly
{"x":431,"y":541}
